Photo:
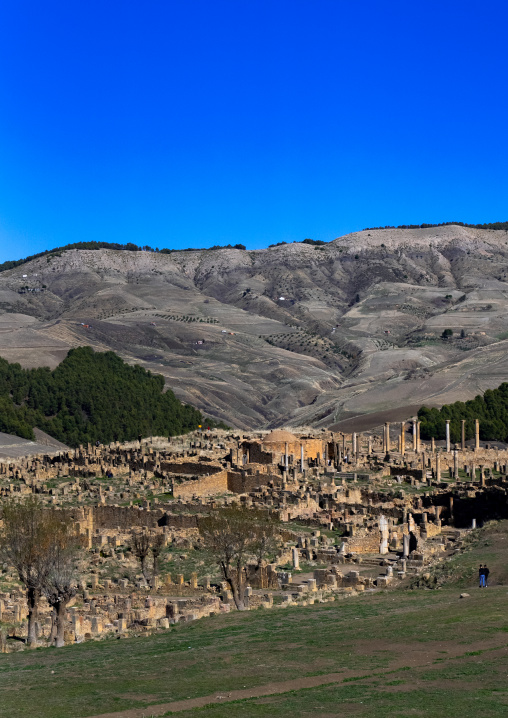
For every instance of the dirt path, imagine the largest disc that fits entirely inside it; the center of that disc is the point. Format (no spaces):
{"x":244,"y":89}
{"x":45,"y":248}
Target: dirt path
{"x":424,"y":656}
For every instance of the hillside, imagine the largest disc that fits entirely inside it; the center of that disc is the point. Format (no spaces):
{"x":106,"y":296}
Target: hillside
{"x":295,"y":334}
{"x":372,"y":655}
{"x":90,"y":396}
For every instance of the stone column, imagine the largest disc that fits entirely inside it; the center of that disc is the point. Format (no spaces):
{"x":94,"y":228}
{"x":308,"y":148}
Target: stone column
{"x":448,"y":436}
{"x":463,"y":440}
{"x":438,"y":467}
{"x":455,"y":465}
{"x":433,"y":445}
{"x":418,"y":435}
{"x":286,"y":458}
{"x":476,"y":434}
{"x":414,"y":435}
{"x":405,"y":545}
{"x":383,"y":535}
{"x":301,"y":457}
{"x":353,"y":441}
{"x":370,"y":446}
{"x":387,"y":439}
{"x":402,"y":437}
{"x":296,"y":558}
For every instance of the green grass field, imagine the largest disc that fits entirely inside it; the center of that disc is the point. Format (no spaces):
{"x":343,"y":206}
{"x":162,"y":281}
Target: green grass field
{"x":396,"y":652}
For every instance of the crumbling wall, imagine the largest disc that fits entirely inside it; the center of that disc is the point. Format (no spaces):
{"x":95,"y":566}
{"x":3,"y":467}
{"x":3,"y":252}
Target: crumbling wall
{"x":192,"y":468}
{"x":241,"y":483}
{"x":207,"y":486}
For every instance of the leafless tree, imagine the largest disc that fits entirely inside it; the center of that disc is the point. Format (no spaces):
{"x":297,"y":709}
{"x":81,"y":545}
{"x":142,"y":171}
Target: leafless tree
{"x":26,"y":543}
{"x":61,"y":583}
{"x":140,"y":545}
{"x":234,"y":536}
{"x":156,"y":546}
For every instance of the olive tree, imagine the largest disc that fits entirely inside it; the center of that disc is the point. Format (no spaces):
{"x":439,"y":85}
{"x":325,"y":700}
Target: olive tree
{"x":235,"y":536}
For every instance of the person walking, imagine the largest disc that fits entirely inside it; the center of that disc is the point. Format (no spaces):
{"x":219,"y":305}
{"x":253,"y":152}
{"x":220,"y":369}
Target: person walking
{"x":485,"y":576}
{"x":481,"y":576}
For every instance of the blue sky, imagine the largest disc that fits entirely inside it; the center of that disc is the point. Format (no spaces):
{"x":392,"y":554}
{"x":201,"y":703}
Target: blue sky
{"x":188,"y":124}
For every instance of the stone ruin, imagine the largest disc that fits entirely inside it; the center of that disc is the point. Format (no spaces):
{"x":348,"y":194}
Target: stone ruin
{"x":358,"y":512}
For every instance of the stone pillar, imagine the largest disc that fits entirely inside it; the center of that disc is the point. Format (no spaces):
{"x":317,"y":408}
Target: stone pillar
{"x":286,"y":458}
{"x":476,"y":434}
{"x":433,"y":445}
{"x":463,"y":434}
{"x":405,"y":545}
{"x":301,"y":458}
{"x":414,"y":435}
{"x":438,"y":467}
{"x":448,"y":435}
{"x":296,"y":558}
{"x":369,"y":449}
{"x":402,"y":437}
{"x":473,"y":524}
{"x":455,"y":465}
{"x":418,"y":423}
{"x":353,"y":441}
{"x":383,"y":535}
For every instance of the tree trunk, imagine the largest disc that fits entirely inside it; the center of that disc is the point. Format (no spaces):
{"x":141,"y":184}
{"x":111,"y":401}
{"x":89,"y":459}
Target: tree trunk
{"x":238,"y":596}
{"x":61,"y":610}
{"x":237,"y":588}
{"x":52,"y":633}
{"x":144,"y":570}
{"x":32,"y":597}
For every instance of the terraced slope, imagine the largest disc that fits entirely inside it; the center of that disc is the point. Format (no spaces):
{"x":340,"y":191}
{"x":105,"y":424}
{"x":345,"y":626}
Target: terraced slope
{"x":294,"y":334}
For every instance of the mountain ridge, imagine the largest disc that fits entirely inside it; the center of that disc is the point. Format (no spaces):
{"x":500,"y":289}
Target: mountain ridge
{"x":293,"y":334}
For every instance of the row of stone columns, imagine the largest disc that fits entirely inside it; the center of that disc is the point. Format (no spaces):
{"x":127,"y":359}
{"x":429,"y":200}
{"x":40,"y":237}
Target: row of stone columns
{"x":416,"y":437}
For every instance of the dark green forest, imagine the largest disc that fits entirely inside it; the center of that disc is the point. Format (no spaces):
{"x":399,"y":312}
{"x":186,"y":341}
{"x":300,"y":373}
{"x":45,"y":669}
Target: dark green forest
{"x":486,"y":225}
{"x":91,"y":396}
{"x":491,"y":410}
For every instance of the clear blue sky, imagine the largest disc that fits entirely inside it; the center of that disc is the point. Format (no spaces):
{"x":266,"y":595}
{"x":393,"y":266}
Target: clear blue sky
{"x":193,"y":123}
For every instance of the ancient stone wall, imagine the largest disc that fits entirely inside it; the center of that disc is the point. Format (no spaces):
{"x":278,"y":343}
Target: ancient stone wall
{"x":256,"y":454}
{"x":241,"y":483}
{"x":216,"y":483}
{"x":363,"y":544}
{"x":192,"y":468}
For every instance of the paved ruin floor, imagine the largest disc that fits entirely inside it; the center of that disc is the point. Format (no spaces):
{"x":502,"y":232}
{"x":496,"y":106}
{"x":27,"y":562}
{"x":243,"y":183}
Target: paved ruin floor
{"x":395,"y":652}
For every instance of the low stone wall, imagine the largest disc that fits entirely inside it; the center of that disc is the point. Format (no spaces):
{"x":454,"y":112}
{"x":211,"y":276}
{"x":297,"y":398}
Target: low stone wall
{"x":191,"y":468}
{"x":363,"y":544}
{"x":216,"y":483}
{"x":240,"y":483}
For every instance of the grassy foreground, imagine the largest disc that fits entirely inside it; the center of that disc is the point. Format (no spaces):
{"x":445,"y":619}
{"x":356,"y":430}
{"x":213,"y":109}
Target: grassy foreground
{"x":402,"y":653}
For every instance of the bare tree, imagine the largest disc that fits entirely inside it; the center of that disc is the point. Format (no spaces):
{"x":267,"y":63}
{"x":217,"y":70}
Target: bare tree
{"x":156,"y":546}
{"x":233,"y":536}
{"x":26,"y":543}
{"x":61,"y":583}
{"x":140,"y":545}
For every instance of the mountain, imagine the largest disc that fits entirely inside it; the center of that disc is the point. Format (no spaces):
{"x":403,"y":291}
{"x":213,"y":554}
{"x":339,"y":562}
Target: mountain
{"x":296,"y":334}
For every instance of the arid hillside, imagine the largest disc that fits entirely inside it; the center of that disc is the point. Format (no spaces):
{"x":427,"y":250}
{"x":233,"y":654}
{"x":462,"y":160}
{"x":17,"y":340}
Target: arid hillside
{"x":293,"y":335}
